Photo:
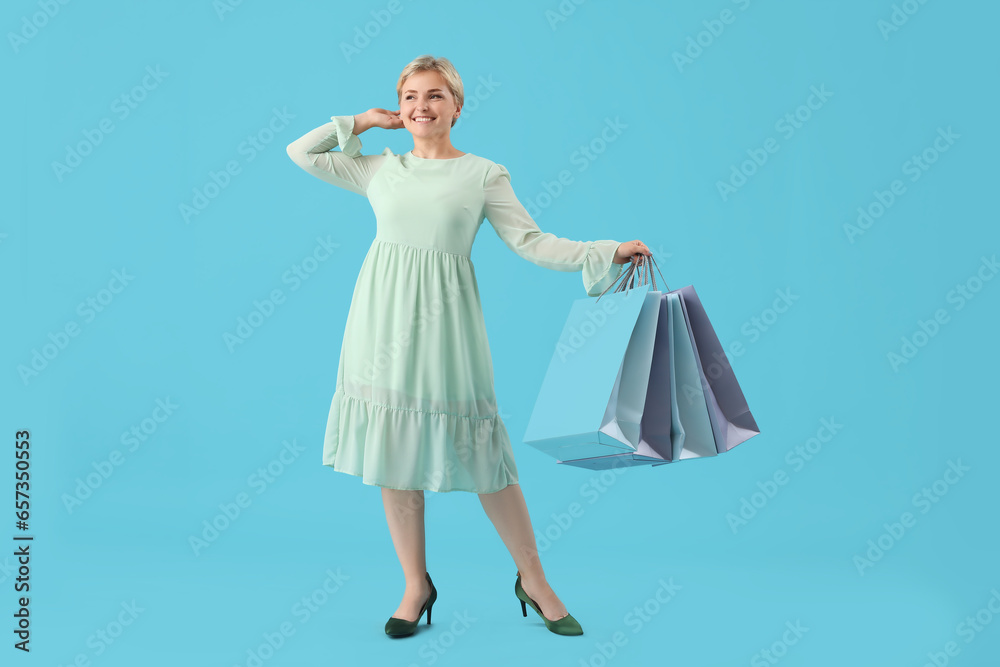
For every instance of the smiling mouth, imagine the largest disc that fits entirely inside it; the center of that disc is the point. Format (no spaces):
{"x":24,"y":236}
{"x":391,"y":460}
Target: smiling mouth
{"x":423,"y":119}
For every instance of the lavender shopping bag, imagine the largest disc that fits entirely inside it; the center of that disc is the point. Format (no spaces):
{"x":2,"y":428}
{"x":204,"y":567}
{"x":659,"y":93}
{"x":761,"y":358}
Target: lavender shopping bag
{"x":731,"y":419}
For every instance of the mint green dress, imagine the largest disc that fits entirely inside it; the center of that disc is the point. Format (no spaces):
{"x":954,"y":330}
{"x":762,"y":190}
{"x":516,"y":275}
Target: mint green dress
{"x":414,"y":405}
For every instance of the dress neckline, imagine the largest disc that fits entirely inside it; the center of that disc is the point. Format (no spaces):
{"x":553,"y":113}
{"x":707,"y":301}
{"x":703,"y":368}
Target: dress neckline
{"x":436,"y":159}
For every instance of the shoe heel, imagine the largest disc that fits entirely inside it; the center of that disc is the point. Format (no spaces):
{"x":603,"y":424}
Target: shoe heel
{"x":567,"y":625}
{"x":431,"y":600}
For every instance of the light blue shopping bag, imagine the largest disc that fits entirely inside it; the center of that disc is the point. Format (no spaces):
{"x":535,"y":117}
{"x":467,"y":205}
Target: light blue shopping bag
{"x":575,"y":415}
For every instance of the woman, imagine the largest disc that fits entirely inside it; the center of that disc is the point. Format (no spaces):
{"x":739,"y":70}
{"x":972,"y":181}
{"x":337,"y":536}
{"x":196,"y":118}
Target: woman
{"x":414,"y":407}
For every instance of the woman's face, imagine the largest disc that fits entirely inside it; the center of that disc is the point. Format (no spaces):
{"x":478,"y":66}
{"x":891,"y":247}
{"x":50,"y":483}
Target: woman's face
{"x":426,"y":96}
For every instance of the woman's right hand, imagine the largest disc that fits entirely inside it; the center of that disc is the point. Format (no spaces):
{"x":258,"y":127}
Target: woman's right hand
{"x":376,"y":117}
{"x":628,"y":250}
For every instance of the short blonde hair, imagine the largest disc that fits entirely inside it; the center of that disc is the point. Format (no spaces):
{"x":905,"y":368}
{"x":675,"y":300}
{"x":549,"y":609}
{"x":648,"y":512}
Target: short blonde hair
{"x":442,"y":66}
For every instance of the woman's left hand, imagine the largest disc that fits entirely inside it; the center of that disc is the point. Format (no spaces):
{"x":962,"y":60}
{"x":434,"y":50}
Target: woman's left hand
{"x":627,"y":250}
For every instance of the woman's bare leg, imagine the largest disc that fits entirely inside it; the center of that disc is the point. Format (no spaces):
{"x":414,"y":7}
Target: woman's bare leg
{"x":404,"y":513}
{"x":509,"y":514}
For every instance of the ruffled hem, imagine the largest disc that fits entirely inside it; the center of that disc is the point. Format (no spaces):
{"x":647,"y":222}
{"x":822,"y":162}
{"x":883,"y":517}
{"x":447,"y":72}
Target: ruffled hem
{"x":599,"y":269}
{"x":389,"y":446}
{"x":350,"y":143}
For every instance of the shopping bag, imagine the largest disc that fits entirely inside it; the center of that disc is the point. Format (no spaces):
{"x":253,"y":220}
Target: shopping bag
{"x":660,"y":427}
{"x":732,"y":421}
{"x":571,"y":417}
{"x":626,"y":408}
{"x":673,"y":426}
{"x":628,"y":397}
{"x":690,"y":402}
{"x":563,"y":423}
{"x":693,"y":405}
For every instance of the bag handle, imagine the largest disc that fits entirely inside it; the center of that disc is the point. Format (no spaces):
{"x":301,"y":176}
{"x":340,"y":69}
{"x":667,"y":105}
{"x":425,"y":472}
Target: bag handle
{"x":628,"y":276}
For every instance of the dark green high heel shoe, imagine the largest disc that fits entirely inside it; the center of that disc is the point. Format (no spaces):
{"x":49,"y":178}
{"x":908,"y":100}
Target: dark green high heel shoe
{"x":400,"y":627}
{"x":567,"y":625}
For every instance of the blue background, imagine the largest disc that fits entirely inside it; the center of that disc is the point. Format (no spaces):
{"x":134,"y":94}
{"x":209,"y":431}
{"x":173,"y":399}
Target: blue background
{"x":556,"y":80}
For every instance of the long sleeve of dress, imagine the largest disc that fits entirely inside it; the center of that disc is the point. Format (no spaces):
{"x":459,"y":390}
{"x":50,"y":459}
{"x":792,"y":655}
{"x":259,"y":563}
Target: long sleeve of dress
{"x":346,"y":168}
{"x":520,"y":233}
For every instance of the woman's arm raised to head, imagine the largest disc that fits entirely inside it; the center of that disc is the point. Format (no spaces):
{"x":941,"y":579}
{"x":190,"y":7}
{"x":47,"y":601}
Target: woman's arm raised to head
{"x":346,"y":168}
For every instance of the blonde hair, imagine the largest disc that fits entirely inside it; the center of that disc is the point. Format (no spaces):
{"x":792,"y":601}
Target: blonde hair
{"x":442,"y":66}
